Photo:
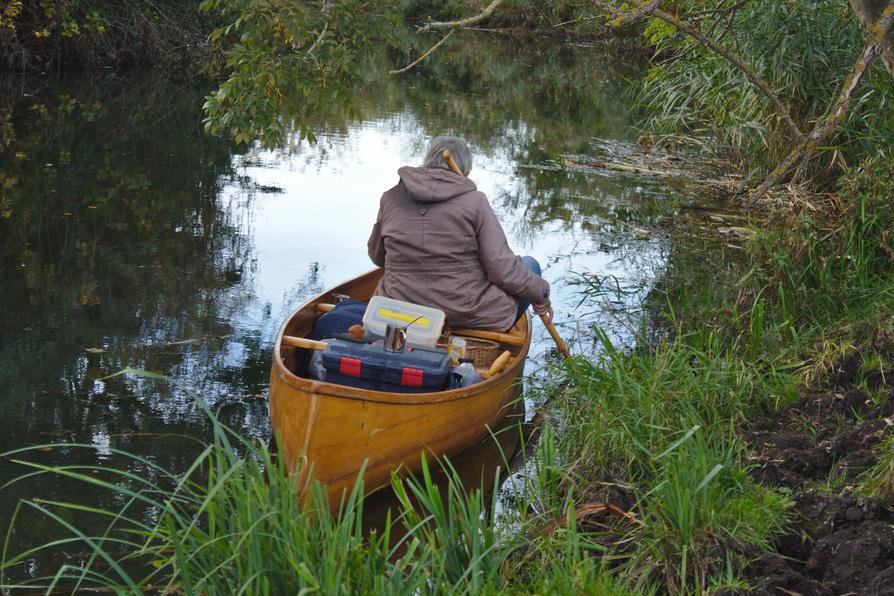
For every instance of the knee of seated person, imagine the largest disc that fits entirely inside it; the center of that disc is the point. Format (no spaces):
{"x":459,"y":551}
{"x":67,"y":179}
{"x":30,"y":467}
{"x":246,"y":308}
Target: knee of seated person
{"x":532,"y":264}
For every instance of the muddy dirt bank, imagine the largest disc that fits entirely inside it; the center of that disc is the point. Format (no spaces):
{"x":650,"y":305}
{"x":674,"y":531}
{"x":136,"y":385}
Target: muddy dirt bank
{"x":816,"y":450}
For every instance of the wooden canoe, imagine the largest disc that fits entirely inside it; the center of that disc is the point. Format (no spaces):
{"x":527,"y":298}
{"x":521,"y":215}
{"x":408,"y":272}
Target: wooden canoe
{"x":329,"y":432}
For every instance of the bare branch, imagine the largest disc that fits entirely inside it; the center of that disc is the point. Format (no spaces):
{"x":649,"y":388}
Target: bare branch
{"x":463,"y":22}
{"x":870,"y":12}
{"x":453,"y":25}
{"x":423,"y":56}
{"x":313,"y":47}
{"x":652,"y":9}
{"x":837,"y":113}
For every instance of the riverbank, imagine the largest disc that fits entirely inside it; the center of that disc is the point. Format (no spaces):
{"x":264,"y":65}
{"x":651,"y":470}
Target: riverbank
{"x":754,"y":446}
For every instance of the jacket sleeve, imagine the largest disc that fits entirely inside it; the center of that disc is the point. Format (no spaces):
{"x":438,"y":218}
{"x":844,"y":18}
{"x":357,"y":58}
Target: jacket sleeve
{"x":502,"y":266}
{"x":375,"y":246}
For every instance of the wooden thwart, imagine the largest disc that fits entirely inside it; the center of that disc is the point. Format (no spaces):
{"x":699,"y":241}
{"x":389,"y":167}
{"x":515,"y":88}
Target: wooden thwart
{"x":303,"y":342}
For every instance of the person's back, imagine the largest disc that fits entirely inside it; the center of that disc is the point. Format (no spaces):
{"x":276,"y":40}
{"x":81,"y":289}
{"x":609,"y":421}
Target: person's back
{"x":441,"y":245}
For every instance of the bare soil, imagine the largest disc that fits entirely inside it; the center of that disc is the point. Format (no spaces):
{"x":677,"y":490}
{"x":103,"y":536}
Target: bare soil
{"x":815,"y":450}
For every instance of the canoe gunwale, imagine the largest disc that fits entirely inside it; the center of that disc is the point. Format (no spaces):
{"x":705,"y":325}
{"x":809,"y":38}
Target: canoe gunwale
{"x":324,"y":389}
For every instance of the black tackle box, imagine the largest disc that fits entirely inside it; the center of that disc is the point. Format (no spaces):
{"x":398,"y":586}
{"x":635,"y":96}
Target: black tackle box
{"x":369,"y":366}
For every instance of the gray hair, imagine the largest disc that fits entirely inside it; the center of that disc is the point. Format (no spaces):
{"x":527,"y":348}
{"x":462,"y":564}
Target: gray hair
{"x":434,"y":157}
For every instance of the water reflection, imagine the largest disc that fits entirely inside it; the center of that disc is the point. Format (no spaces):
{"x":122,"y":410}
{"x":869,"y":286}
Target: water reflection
{"x":128,"y":231}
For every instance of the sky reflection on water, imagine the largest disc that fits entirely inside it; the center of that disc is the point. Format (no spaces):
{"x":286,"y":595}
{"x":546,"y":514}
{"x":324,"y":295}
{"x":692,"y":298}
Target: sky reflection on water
{"x":311,"y":233}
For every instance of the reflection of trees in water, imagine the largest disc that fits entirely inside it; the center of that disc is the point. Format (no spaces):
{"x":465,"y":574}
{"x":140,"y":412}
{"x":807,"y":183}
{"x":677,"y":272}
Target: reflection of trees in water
{"x":526,"y":109}
{"x":305,"y":287}
{"x":114,"y":236}
{"x":514,"y":106}
{"x":696,"y":260}
{"x":551,"y":193}
{"x":109,"y":193}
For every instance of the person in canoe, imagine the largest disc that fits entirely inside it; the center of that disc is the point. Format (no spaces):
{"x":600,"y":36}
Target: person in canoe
{"x":441,"y":245}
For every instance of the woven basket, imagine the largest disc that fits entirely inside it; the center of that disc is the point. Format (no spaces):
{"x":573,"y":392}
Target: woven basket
{"x":483,"y":352}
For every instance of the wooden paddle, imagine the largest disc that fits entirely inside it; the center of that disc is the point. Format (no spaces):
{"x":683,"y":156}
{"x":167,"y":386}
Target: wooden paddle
{"x":556,"y":337}
{"x":448,"y":157}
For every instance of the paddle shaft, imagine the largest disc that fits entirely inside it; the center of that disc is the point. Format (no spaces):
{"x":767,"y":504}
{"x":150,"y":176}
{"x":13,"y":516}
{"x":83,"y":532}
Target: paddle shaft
{"x":448,"y":157}
{"x":560,"y":344}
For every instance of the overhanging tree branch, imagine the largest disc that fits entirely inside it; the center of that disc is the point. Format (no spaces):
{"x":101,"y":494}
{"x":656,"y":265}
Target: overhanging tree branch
{"x":474,"y":20}
{"x":621,"y":17}
{"x":870,"y":12}
{"x":423,"y":56}
{"x":835,"y":116}
{"x":453,"y":26}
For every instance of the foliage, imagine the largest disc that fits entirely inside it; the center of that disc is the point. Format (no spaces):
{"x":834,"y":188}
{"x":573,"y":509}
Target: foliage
{"x":661,"y":421}
{"x":41,"y":34}
{"x":831,"y":260}
{"x":287,"y":60}
{"x":878,"y":481}
{"x":804,"y":50}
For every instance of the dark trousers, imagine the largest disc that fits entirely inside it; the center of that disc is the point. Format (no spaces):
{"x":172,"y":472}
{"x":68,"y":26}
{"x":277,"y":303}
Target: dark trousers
{"x":532,"y":264}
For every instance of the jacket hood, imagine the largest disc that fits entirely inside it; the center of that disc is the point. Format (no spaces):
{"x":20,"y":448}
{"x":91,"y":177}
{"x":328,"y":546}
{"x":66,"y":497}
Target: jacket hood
{"x":434,"y":185}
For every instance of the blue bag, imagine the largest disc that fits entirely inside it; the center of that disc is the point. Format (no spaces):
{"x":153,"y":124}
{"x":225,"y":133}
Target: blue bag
{"x":345,"y":314}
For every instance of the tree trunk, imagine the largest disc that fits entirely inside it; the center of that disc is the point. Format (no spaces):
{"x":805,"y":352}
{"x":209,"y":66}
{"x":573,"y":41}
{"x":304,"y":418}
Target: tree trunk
{"x":869,"y":11}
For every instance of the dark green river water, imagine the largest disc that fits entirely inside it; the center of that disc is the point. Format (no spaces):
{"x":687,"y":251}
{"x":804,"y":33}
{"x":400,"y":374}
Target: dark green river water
{"x":130,"y":238}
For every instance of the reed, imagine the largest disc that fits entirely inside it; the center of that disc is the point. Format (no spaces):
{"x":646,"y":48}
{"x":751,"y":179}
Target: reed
{"x":228,"y":524}
{"x":803,"y":50}
{"x":231,"y":523}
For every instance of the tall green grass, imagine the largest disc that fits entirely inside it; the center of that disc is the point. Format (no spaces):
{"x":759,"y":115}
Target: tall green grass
{"x":231,"y":523}
{"x":662,"y":422}
{"x":830,"y":275}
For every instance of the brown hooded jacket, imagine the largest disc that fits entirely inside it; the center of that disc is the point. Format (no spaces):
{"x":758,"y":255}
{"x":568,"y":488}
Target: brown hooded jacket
{"x":441,"y":245}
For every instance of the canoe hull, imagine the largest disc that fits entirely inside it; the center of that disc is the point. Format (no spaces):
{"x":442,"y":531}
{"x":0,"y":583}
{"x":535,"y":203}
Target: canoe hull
{"x":330,"y":432}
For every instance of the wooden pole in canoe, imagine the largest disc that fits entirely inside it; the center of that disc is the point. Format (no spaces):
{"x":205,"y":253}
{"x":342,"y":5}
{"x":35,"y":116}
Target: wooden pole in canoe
{"x":301,"y":342}
{"x":448,"y":157}
{"x":560,"y":344}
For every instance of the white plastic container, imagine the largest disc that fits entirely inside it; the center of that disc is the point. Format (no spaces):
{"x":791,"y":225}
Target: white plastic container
{"x":423,"y":323}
